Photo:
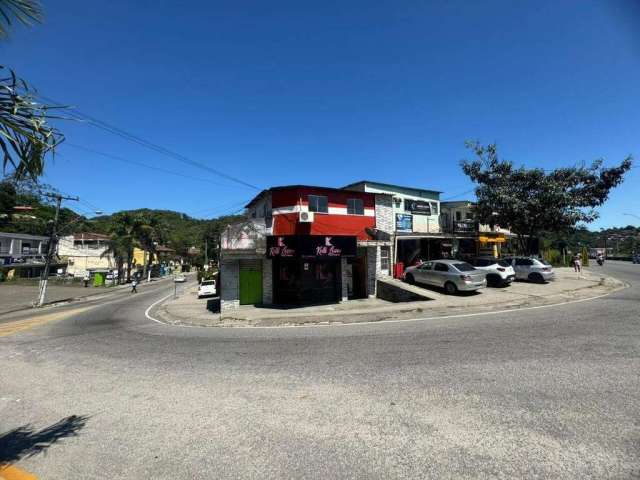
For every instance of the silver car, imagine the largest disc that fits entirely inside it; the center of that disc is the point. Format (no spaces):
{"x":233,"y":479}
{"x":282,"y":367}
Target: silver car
{"x":531,"y":269}
{"x":452,"y":275}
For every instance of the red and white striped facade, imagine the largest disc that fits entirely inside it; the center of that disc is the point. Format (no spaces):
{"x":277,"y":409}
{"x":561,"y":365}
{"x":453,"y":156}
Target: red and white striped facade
{"x":284,"y":205}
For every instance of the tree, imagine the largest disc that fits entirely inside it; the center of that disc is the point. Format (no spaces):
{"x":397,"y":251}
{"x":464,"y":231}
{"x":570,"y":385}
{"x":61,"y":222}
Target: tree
{"x":26,"y":135}
{"x":124,"y":230}
{"x":150,"y":233}
{"x":530,"y":201}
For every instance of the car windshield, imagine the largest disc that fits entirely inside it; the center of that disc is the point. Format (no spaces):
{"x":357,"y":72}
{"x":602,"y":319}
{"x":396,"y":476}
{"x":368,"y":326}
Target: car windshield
{"x":464,"y":267}
{"x":504,"y":263}
{"x":544,"y":262}
{"x":208,"y":282}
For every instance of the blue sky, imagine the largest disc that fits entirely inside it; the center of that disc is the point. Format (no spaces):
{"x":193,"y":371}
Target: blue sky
{"x":329,"y":93}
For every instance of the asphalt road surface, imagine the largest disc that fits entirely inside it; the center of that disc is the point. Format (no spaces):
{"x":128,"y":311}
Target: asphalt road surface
{"x":545,"y":393}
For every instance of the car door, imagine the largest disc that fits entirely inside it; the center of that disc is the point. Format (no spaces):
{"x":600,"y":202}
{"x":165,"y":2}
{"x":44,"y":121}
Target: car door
{"x":440,"y":274}
{"x":424,"y":272}
{"x":522,"y":267}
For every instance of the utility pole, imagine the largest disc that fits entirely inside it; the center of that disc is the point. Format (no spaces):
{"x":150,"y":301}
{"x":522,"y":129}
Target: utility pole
{"x":206,"y":249}
{"x":44,"y":278}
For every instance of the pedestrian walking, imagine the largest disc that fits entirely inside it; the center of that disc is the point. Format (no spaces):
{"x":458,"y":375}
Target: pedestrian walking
{"x":86,"y":280}
{"x":134,"y":284}
{"x":577,"y":263}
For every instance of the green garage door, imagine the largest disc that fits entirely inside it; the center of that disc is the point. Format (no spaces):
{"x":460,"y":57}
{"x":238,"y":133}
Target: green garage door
{"x":250,"y":282}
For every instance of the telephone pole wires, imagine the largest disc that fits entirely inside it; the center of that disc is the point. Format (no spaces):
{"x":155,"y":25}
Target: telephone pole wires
{"x":44,"y":277}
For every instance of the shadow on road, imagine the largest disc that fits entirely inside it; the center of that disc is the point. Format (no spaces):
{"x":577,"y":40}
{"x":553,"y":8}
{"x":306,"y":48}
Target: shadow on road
{"x":25,"y":441}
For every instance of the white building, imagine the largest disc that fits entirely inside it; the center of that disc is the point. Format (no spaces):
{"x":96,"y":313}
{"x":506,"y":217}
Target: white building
{"x":85,"y":253}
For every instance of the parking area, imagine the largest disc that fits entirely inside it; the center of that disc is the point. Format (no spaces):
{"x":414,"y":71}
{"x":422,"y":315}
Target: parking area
{"x":186,"y":308}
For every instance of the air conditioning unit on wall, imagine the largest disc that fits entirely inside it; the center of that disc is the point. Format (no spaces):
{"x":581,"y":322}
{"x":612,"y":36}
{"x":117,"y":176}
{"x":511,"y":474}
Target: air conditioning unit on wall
{"x":306,"y":217}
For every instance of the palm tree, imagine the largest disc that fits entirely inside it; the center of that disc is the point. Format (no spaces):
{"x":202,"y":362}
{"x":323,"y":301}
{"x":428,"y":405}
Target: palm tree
{"x":150,"y":232}
{"x":26,"y":12}
{"x":26,"y":135}
{"x":124,"y":231}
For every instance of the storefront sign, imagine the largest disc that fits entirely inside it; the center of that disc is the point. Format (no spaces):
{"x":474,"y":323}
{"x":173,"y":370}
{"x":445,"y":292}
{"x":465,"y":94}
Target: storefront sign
{"x":282,"y":246}
{"x":320,"y":246}
{"x":404,"y":222}
{"x":418,"y":207}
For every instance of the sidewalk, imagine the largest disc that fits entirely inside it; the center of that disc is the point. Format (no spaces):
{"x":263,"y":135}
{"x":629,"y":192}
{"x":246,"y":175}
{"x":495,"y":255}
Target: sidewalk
{"x":16,"y":297}
{"x":187,"y":309}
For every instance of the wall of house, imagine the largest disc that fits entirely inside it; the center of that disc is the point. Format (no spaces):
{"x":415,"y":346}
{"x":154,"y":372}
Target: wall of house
{"x":229,"y":287}
{"x":421,"y":223}
{"x":267,"y":281}
{"x":287,"y":205}
{"x":385,"y":220}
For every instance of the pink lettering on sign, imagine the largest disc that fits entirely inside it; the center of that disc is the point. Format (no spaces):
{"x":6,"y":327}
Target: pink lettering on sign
{"x":328,"y":251}
{"x":281,"y":250}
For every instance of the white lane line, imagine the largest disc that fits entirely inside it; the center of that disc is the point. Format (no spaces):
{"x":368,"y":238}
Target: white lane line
{"x":146,"y":312}
{"x":399,"y":320}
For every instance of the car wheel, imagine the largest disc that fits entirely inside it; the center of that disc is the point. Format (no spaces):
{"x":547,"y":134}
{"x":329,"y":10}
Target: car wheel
{"x":450,"y":288}
{"x":409,"y":279}
{"x":536,"y":277}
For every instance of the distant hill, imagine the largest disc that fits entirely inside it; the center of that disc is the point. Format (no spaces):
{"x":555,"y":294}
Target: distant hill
{"x":180,"y":230}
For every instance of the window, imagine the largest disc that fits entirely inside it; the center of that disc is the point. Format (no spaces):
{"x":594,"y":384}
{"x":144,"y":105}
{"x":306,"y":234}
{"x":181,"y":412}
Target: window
{"x":384,"y":258}
{"x":469,"y":215}
{"x":464,"y":267}
{"x":355,"y":206}
{"x":318,"y":203}
{"x":434,"y":208}
{"x":524,"y":261}
{"x":426,"y":266}
{"x":458,"y":216}
{"x":441,"y":267}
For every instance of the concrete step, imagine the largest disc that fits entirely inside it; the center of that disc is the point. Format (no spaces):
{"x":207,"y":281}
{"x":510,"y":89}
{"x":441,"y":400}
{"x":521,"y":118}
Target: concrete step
{"x":396,"y":291}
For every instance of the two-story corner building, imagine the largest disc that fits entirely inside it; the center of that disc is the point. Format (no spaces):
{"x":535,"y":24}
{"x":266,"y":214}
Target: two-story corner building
{"x":415,"y":227}
{"x":22,"y":254}
{"x":302,"y":245}
{"x":85,"y":253}
{"x":470,"y":238}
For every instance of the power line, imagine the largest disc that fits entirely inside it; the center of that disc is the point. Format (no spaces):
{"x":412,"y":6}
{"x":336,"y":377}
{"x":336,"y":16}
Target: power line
{"x":146,"y":143}
{"x":460,"y":194}
{"x":141,"y":164}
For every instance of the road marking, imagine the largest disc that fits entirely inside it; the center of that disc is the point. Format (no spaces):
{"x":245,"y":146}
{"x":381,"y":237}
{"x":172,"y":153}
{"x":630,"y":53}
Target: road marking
{"x":19,"y":325}
{"x":9,"y":472}
{"x":146,"y":312}
{"x":399,"y":320}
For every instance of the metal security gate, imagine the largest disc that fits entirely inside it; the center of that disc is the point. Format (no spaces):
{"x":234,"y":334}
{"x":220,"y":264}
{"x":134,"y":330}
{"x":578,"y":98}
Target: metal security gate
{"x":250,"y":282}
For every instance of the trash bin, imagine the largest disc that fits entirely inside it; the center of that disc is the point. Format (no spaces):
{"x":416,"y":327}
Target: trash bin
{"x":98,"y":279}
{"x":398,"y":270}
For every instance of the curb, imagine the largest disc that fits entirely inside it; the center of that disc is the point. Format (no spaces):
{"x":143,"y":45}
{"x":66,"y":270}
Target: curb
{"x":322,"y":322}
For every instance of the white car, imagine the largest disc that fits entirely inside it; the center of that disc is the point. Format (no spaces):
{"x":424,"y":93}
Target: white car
{"x":500,"y":273}
{"x":179,"y":279}
{"x":207,"y":288}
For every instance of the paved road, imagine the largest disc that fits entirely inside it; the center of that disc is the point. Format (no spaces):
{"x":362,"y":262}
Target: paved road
{"x":546,"y":393}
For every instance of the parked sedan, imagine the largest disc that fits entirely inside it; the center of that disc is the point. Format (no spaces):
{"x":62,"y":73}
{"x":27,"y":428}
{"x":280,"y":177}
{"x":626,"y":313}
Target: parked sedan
{"x":531,"y":269}
{"x":452,"y":275}
{"x":207,"y":288}
{"x":499,"y":272}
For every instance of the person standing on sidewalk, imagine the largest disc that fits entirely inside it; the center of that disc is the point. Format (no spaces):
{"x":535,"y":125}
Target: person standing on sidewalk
{"x":134,"y":284}
{"x":86,"y":280}
{"x":577,"y":263}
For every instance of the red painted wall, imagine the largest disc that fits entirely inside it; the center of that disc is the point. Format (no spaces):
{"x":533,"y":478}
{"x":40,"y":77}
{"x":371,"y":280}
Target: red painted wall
{"x":324,"y":223}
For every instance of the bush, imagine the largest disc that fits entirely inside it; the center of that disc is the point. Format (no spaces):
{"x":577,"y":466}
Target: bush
{"x":585,"y":257}
{"x":554,"y":257}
